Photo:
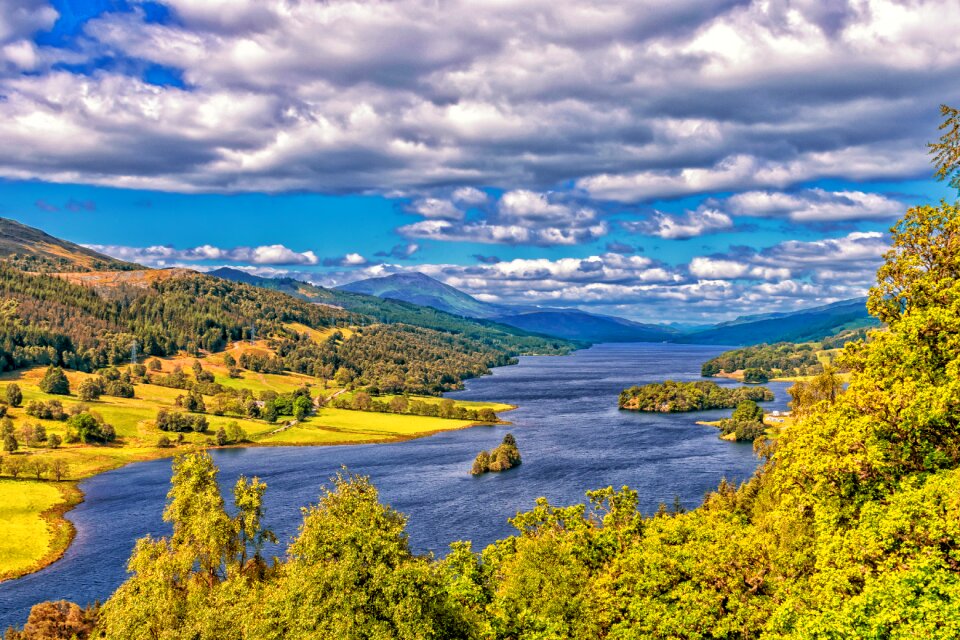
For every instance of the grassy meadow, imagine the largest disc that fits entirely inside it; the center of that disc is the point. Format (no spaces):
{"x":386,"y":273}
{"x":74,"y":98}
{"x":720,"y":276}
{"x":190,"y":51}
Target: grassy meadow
{"x":31,"y":532}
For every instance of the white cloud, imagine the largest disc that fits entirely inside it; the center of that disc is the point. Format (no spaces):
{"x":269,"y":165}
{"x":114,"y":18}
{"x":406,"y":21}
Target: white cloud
{"x":275,"y":254}
{"x":690,"y":225}
{"x":436,"y":208}
{"x":469,"y":195}
{"x":627,"y":102}
{"x":815,"y":205}
{"x":710,"y":269}
{"x":521,"y":217}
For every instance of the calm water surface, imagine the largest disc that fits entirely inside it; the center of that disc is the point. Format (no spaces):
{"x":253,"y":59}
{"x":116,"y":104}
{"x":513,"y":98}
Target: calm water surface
{"x":568,"y":428}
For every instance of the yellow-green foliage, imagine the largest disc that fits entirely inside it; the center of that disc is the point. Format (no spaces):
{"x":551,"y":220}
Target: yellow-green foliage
{"x":137,"y":436}
{"x":25,"y":536}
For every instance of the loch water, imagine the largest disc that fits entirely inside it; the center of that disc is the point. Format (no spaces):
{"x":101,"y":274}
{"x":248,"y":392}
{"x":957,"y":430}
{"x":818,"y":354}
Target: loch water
{"x":570,"y":433}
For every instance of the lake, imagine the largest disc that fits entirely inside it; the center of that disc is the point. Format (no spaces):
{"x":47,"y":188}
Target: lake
{"x":570,"y":433}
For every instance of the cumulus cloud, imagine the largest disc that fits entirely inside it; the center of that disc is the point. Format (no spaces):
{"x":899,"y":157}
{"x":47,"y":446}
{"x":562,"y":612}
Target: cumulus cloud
{"x":469,"y":195}
{"x":719,"y":269}
{"x":436,"y":209}
{"x":620,"y":247}
{"x":689,"y":225}
{"x":815,"y":205}
{"x":349,"y":260}
{"x":522,"y":217}
{"x":627,"y":101}
{"x":399,"y":251}
{"x":274,"y":254}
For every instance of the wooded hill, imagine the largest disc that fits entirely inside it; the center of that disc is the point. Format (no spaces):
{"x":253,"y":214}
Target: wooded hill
{"x":33,"y":250}
{"x":783,"y":359}
{"x":85,"y":320}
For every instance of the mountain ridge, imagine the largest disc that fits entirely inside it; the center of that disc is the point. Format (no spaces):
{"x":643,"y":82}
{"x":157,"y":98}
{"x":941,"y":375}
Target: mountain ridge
{"x":32,"y":249}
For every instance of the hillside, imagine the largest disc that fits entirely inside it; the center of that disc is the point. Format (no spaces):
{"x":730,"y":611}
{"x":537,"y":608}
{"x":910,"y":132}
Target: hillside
{"x":780,"y":360}
{"x":574,"y":324}
{"x":798,"y":326}
{"x":33,"y":250}
{"x":393,"y":311}
{"x":420,"y":289}
{"x":569,"y":324}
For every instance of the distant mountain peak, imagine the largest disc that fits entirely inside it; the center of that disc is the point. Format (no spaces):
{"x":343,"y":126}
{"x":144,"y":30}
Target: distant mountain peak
{"x":418,"y":288}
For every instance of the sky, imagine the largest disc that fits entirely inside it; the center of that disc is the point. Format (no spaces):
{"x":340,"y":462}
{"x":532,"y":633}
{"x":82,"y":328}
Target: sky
{"x":685,"y":161}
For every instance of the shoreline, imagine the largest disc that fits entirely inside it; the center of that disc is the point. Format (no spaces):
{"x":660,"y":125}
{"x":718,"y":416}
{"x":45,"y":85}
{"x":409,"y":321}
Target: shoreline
{"x":63,"y":531}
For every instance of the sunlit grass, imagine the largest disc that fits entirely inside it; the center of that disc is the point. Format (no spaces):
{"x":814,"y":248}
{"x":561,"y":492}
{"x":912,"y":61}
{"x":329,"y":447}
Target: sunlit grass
{"x":25,"y":537}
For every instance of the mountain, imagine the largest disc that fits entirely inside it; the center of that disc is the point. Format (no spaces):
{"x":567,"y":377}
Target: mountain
{"x":570,"y":324}
{"x":389,"y":310}
{"x":574,"y":324}
{"x":86,"y":319}
{"x":423,"y":290}
{"x":31,"y":249}
{"x":796,"y":326}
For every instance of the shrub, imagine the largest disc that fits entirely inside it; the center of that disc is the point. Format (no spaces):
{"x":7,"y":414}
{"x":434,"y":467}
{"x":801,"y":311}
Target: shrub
{"x":89,"y":390}
{"x":119,"y":389}
{"x":49,"y":410}
{"x":179,"y":422}
{"x":90,"y":428}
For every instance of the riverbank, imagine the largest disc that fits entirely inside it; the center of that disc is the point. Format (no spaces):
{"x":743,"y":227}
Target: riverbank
{"x":41,"y":511}
{"x":568,"y":445}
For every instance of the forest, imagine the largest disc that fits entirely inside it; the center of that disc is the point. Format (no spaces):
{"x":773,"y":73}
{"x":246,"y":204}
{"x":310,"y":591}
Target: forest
{"x":675,"y":397}
{"x":47,"y":320}
{"x":849,"y":528}
{"x":783,"y":359}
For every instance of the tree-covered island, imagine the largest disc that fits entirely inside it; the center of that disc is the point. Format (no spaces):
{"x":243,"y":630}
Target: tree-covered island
{"x":505,"y":456}
{"x":674,"y":397}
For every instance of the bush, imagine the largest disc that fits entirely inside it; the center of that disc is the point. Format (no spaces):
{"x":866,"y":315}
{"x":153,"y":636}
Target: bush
{"x":90,"y":428}
{"x":179,"y":422}
{"x":89,"y":390}
{"x":49,"y":410}
{"x":119,"y":389}
{"x":235,"y":433}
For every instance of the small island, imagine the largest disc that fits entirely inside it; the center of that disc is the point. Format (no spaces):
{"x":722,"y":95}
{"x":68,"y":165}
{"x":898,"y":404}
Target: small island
{"x":745,"y":425}
{"x":675,"y":397}
{"x":506,"y":456}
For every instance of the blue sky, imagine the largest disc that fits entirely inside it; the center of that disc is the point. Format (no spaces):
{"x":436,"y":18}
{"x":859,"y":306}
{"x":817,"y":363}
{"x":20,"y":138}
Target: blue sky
{"x":684,"y":162}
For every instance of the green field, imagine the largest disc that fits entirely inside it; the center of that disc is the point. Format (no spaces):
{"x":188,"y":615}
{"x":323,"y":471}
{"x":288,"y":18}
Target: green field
{"x":25,"y":536}
{"x":497,"y":407}
{"x":28,"y":540}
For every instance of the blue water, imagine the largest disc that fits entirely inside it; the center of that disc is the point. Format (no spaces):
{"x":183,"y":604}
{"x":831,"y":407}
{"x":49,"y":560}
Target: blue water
{"x":569,"y":430}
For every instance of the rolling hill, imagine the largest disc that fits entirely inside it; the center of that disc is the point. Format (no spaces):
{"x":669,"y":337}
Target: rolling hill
{"x":56,"y":309}
{"x":574,"y":324}
{"x":570,"y":324}
{"x":390,"y":310}
{"x":31,"y":249}
{"x":420,"y":289}
{"x":798,"y":326}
